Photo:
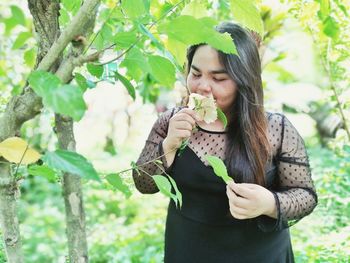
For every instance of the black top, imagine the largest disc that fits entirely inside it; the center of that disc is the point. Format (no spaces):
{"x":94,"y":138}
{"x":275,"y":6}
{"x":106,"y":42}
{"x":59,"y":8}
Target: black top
{"x":203,"y":230}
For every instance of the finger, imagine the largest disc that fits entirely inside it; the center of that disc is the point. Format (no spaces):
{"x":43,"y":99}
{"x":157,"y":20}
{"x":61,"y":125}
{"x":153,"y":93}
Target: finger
{"x":241,"y":202}
{"x":184,"y":134}
{"x":190,"y":112}
{"x":250,"y":186}
{"x":183,"y":125}
{"x":238,"y":213}
{"x":242,"y":190}
{"x":237,"y":200}
{"x":185,"y":117}
{"x":230,"y":193}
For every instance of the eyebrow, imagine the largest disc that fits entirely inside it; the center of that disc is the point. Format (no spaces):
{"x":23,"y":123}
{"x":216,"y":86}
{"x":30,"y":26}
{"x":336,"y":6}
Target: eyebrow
{"x":220,"y":71}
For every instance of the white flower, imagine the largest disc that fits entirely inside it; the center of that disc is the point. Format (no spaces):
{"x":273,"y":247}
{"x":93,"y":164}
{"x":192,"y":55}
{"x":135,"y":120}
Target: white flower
{"x":204,"y":107}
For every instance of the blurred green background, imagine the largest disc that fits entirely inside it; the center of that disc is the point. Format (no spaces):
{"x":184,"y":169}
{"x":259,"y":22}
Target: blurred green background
{"x":305,"y":59}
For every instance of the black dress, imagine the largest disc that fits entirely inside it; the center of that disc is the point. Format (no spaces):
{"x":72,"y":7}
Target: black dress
{"x":203,"y":230}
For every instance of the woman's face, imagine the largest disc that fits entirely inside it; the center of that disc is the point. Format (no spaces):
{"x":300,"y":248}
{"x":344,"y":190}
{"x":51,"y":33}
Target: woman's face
{"x":208,"y":77}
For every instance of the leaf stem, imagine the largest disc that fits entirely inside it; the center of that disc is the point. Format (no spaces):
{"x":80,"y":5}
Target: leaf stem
{"x":154,"y":159}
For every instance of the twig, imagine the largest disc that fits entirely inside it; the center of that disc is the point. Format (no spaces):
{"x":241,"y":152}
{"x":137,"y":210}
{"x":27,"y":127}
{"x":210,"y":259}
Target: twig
{"x":94,"y":38}
{"x":21,"y":160}
{"x":326,"y":65}
{"x":139,"y":38}
{"x":154,"y":159}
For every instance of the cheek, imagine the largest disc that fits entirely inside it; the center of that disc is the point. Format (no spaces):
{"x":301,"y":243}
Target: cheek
{"x":191,"y":83}
{"x":225,"y":94}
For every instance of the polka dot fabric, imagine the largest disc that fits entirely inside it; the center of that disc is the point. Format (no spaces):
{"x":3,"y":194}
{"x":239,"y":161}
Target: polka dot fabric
{"x":296,"y":196}
{"x":294,"y":191}
{"x":153,"y":149}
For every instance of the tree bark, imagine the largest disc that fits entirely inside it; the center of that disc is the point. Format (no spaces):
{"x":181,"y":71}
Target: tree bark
{"x":27,"y":105}
{"x":71,"y":184}
{"x":20,"y":109}
{"x":8,"y":215}
{"x":73,"y":197}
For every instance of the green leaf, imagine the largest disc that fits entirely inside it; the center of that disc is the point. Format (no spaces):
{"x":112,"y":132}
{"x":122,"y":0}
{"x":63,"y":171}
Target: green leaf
{"x":148,"y":34}
{"x":95,"y":70}
{"x":330,"y":27}
{"x":68,"y":4}
{"x":182,"y":28}
{"x":71,"y":5}
{"x":178,"y":49}
{"x":64,"y":17}
{"x":115,"y":180}
{"x":67,"y":100}
{"x":162,"y":70}
{"x":43,"y":82}
{"x":125,"y":39}
{"x":71,"y":162}
{"x":342,"y":7}
{"x":177,"y":192}
{"x":106,"y":34}
{"x":132,"y":58}
{"x":64,"y":99}
{"x":44,"y":171}
{"x":17,"y":18}
{"x":3,"y":68}
{"x":222,"y":42}
{"x":29,"y":57}
{"x":134,"y":8}
{"x":81,"y":81}
{"x":195,"y":8}
{"x":18,"y":14}
{"x":246,"y":13}
{"x":164,"y":186}
{"x":219,"y":167}
{"x":21,"y":39}
{"x":325,"y":9}
{"x":127,"y":84}
{"x":222,"y":116}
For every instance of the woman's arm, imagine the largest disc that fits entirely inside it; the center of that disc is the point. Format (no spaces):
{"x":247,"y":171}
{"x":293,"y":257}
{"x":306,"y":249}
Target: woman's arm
{"x":152,"y":150}
{"x":295,"y":195}
{"x":166,"y":137}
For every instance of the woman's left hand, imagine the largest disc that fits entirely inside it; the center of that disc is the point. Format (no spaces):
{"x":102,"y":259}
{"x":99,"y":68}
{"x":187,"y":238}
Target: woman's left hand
{"x":250,"y":200}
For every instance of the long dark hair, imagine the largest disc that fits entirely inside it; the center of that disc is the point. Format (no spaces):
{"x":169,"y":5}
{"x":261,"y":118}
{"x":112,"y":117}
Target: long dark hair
{"x":248,"y":149}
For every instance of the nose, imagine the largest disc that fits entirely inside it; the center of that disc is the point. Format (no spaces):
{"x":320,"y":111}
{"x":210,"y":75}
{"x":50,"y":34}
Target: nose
{"x":204,"y":86}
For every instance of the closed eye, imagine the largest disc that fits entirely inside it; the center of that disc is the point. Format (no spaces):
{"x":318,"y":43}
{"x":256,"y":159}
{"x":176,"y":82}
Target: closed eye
{"x":218,"y":80}
{"x":196,"y":75}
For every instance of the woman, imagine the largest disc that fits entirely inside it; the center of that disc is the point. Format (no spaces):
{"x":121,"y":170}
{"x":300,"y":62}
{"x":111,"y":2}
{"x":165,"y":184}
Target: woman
{"x":246,"y":220}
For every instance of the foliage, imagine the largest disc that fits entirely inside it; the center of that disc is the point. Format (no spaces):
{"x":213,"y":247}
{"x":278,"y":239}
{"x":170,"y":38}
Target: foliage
{"x":219,"y":167}
{"x":153,"y":35}
{"x":323,"y":236}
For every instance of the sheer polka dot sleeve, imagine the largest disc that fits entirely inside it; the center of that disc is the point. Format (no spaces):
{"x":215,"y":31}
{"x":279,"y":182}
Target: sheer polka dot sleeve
{"x":153,"y":149}
{"x":295,"y":195}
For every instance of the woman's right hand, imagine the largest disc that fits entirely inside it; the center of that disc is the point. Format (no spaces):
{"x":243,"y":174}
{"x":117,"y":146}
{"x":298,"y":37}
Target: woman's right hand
{"x":180,"y":129}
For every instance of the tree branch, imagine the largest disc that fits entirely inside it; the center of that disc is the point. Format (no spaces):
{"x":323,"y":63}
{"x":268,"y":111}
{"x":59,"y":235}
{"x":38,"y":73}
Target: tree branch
{"x":72,"y":30}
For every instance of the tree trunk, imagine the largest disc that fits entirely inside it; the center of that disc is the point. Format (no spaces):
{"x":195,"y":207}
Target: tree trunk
{"x":8,"y":215}
{"x":20,"y":109}
{"x":73,"y":198}
{"x":27,"y":105}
